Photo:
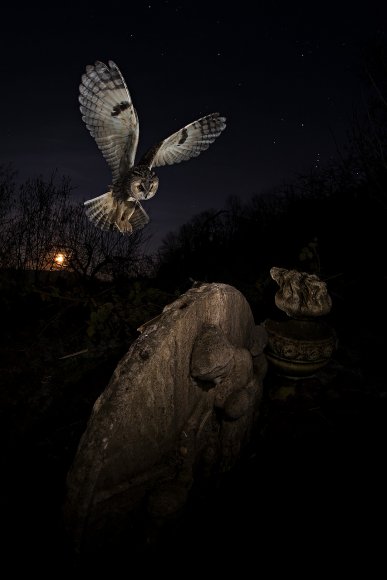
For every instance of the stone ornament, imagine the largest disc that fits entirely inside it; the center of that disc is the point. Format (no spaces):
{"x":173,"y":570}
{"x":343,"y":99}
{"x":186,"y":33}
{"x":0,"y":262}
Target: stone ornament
{"x":300,"y":294}
{"x":301,"y":345}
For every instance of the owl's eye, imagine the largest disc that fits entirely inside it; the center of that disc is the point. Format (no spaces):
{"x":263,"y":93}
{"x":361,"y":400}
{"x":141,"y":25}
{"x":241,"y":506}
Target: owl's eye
{"x":137,"y":186}
{"x":154,"y":184}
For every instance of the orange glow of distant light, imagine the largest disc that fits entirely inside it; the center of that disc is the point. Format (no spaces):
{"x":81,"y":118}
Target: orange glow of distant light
{"x":59,"y":259}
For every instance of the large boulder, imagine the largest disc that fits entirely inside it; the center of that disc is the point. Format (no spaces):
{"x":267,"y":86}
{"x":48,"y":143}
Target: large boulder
{"x":179,"y":406}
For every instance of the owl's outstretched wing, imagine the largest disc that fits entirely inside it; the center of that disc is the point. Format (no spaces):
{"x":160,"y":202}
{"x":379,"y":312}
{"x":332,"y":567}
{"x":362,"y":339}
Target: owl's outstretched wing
{"x":110,"y":116}
{"x":186,"y":143}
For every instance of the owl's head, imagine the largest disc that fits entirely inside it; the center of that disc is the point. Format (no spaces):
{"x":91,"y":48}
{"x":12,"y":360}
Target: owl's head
{"x":143,"y":182}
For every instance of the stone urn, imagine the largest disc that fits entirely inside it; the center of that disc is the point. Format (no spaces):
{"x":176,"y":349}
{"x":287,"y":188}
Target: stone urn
{"x":302,"y":344}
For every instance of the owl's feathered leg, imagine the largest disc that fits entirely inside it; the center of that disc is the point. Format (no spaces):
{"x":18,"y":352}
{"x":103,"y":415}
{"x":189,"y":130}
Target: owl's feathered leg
{"x":109,"y":213}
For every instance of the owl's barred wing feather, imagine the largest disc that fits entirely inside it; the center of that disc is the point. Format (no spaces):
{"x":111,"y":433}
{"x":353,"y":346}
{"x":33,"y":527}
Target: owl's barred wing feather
{"x":186,"y":143}
{"x":112,"y":214}
{"x":109,"y":115}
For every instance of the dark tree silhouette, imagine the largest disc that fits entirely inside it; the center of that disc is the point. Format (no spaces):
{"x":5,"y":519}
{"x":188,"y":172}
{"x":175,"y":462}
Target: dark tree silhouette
{"x":39,"y":220}
{"x":330,"y":221}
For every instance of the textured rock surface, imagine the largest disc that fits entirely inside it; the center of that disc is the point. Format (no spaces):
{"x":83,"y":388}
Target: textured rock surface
{"x":179,"y":406}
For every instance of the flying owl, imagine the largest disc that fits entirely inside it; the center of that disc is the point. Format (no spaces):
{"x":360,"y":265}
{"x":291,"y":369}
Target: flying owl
{"x":111,"y":118}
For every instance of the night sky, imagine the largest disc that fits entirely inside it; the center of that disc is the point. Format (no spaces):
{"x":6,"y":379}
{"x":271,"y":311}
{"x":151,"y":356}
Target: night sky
{"x":287,"y":77}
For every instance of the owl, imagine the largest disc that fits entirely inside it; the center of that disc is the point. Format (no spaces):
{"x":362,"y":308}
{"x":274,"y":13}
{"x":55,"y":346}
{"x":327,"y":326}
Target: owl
{"x":111,"y":118}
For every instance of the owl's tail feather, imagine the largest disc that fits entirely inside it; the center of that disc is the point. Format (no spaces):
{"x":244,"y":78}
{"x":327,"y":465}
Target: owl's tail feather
{"x":108,"y":213}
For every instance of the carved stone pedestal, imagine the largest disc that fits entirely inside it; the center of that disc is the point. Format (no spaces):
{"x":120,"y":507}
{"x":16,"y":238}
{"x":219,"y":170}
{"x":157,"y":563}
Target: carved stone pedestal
{"x":299,"y":348}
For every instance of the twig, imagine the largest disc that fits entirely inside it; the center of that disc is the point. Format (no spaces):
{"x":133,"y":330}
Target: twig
{"x":74,"y":354}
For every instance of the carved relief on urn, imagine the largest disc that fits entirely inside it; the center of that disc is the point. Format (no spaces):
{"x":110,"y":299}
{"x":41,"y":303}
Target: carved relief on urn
{"x":301,"y":345}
